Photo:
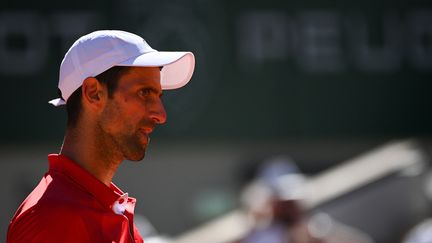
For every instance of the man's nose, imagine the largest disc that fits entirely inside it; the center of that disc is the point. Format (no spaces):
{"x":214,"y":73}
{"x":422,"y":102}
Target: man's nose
{"x":158,"y":114}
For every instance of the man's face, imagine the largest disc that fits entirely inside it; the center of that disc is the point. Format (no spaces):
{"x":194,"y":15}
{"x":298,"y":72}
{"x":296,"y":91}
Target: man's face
{"x":132,"y":113}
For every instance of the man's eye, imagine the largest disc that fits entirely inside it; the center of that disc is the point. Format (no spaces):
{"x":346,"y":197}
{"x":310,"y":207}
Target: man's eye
{"x":144,"y":92}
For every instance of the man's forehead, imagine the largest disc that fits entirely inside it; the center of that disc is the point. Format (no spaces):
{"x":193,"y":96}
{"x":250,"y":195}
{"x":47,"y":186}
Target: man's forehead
{"x":143,"y":72}
{"x":143,"y":76}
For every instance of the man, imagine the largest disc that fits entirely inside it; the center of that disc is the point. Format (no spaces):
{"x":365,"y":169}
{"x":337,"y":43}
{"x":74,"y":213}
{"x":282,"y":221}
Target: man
{"x":111,"y":83}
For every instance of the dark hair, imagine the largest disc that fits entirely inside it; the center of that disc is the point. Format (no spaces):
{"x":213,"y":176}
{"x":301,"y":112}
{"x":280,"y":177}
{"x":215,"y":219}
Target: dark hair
{"x":109,"y":78}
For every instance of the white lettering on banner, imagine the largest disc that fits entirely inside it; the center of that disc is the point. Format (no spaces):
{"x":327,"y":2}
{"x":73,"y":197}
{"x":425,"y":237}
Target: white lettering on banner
{"x":385,"y":57}
{"x":35,"y":31}
{"x":327,"y":41}
{"x":31,"y":57}
{"x":318,"y":42}
{"x":420,"y":31}
{"x":267,"y":35}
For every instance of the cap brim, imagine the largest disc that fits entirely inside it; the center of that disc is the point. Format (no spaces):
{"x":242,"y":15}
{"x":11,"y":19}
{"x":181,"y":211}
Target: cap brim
{"x":57,"y":102}
{"x":177,"y":69}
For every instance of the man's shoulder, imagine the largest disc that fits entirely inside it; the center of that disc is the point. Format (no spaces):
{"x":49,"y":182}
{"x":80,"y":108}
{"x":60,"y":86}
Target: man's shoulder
{"x":55,"y":192}
{"x":60,"y":187}
{"x":55,"y":203}
{"x":47,"y":220}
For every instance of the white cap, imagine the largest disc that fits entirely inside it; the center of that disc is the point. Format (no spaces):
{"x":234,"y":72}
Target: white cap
{"x":98,"y":51}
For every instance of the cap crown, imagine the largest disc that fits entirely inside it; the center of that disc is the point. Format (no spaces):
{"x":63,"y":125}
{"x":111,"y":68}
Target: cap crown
{"x":95,"y":53}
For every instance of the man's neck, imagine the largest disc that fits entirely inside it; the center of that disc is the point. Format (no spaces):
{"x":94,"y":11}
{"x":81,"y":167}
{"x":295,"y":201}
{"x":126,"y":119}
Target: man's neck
{"x":81,"y":148}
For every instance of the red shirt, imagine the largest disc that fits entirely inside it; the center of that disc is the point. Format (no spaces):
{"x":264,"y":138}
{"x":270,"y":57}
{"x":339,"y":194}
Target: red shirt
{"x":71,"y":205}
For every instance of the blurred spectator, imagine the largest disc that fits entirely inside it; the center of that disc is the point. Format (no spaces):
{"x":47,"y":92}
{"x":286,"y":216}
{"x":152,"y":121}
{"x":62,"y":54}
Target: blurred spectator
{"x":158,"y":239}
{"x":274,"y":204}
{"x":421,"y":233}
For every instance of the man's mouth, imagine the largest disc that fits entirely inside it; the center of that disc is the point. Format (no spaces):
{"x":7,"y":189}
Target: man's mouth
{"x":147,"y":130}
{"x":145,"y":133}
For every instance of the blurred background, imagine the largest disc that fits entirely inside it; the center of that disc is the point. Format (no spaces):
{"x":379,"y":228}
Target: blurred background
{"x":343,"y":89}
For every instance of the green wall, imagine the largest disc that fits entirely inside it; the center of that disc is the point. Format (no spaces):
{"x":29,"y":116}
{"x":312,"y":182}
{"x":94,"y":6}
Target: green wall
{"x":265,"y":70}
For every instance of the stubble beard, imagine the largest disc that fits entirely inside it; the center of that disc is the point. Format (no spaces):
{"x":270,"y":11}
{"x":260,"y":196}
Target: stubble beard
{"x":127,"y":146}
{"x":130,"y":146}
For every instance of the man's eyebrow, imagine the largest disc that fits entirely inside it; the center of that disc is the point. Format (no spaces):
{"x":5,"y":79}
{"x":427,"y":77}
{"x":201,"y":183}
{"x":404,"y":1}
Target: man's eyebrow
{"x":153,"y":90}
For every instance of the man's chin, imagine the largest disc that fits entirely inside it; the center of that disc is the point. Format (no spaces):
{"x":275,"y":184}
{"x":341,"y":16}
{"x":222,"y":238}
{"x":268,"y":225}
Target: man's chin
{"x":135,"y":150}
{"x":136,"y":155}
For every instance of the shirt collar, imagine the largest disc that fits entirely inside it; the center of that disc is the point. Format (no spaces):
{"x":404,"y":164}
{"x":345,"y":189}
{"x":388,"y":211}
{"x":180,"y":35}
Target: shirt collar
{"x":107,"y":196}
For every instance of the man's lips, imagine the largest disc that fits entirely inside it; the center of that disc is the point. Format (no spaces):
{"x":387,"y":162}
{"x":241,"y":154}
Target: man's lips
{"x":146,"y":130}
{"x":144,"y":135}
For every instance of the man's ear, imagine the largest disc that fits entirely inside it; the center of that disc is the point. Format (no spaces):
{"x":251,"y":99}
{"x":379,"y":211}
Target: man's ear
{"x":93,"y":92}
